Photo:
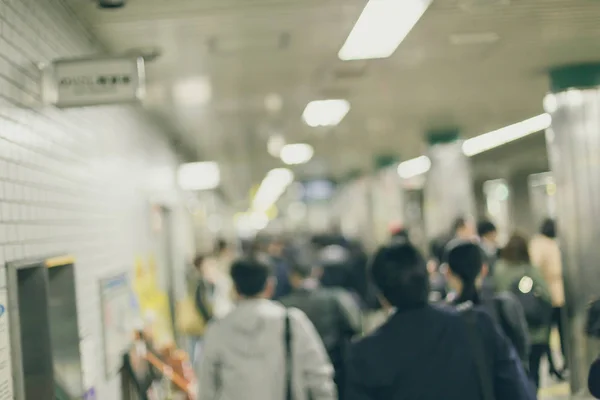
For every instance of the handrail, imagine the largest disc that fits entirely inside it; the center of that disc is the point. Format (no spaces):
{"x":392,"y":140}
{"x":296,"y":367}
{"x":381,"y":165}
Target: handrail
{"x":168,"y":372}
{"x":136,"y":388}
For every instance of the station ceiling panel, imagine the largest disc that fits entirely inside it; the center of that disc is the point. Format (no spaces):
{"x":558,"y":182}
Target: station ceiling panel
{"x":475,"y":64}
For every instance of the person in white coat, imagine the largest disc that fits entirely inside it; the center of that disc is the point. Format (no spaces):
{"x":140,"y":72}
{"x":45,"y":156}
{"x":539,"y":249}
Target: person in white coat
{"x":261,"y":350}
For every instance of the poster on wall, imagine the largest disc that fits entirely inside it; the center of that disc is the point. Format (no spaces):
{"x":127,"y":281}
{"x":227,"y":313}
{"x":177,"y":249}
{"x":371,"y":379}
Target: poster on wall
{"x":153,"y":302}
{"x":117,"y":317}
{"x":6,"y":383}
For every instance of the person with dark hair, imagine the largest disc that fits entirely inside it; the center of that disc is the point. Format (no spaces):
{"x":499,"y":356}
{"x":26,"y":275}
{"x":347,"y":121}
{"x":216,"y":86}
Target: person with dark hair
{"x":429,"y":352}
{"x":275,"y":250}
{"x":594,"y":379}
{"x":201,"y":291}
{"x":488,"y":235}
{"x":333,"y":311}
{"x":466,"y":272}
{"x":515,"y":274}
{"x":464,"y":228}
{"x":545,"y":254}
{"x":261,"y":350}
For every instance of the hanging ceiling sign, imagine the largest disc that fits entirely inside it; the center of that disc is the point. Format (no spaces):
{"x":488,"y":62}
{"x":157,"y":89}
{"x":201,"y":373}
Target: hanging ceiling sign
{"x":96,"y":81}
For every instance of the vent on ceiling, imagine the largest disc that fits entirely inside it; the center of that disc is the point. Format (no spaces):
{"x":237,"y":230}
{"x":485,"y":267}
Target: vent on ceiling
{"x":222,"y":45}
{"x":335,"y":93}
{"x":349,"y":71}
{"x":471,"y":39}
{"x":482,"y":5}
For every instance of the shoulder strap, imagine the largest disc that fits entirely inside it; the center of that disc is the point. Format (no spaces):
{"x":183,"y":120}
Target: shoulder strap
{"x":201,"y":302}
{"x":288,"y":357}
{"x":484,"y":375}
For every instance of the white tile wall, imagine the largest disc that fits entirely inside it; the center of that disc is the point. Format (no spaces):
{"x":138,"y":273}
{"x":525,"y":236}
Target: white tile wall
{"x":77,"y":181}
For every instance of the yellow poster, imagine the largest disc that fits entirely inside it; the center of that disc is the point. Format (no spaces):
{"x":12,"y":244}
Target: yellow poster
{"x":154,"y":303}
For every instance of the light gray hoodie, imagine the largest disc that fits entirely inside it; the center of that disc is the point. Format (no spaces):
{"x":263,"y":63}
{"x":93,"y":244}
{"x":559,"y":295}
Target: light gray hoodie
{"x":244,"y":356}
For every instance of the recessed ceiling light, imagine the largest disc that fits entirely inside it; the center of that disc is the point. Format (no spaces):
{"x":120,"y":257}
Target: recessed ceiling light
{"x":325,"y":112}
{"x":381,"y":27}
{"x":273,"y":102}
{"x":294,"y":154}
{"x":199,"y":176}
{"x":192,"y":92}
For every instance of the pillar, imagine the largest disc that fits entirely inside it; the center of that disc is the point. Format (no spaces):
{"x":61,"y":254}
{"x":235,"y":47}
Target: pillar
{"x":448,"y":187}
{"x":520,"y":204}
{"x":573,"y":142}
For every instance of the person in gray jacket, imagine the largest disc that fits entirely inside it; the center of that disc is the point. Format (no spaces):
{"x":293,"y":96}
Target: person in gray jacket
{"x":261,"y":351}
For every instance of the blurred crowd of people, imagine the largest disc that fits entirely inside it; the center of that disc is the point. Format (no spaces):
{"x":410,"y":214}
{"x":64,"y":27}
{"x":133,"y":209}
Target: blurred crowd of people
{"x":285,"y":318}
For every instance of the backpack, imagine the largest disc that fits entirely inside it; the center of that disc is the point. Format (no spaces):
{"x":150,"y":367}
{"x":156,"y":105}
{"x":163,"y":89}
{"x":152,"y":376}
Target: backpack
{"x":528,"y":291}
{"x":592,"y":328}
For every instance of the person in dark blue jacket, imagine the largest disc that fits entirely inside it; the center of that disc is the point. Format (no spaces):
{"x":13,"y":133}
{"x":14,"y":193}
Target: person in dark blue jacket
{"x":424,"y":351}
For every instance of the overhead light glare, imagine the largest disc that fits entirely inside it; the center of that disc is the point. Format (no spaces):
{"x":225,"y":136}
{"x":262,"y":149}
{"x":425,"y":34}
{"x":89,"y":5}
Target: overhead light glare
{"x":381,"y":27}
{"x":294,"y":154}
{"x":325,"y":112}
{"x":413,"y":167}
{"x":271,"y":188}
{"x":490,"y":140}
{"x":199,"y":176}
{"x":479,"y":144}
{"x":193,"y":92}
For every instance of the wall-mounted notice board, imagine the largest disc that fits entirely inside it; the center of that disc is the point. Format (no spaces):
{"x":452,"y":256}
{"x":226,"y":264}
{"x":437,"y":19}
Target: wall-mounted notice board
{"x":117,"y":318}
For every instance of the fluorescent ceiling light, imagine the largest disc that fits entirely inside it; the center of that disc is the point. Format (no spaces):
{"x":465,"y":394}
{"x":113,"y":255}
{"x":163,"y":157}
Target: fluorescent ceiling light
{"x":416,"y":166}
{"x":479,"y":144}
{"x":199,"y":176}
{"x":381,"y":28}
{"x":501,"y":136}
{"x":192,"y":92}
{"x":271,"y":188}
{"x":325,"y":112}
{"x":293,"y":154}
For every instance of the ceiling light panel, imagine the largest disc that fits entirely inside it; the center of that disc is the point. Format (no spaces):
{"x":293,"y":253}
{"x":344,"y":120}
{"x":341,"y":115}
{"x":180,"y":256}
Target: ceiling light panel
{"x":192,"y":92}
{"x":490,"y":140}
{"x":413,"y":167}
{"x":294,"y":154}
{"x":381,"y":27}
{"x":199,"y":176}
{"x":325,"y":112}
{"x":271,"y":188}
{"x":484,"y":142}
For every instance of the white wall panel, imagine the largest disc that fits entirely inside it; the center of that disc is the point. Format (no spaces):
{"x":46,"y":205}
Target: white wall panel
{"x":78,"y":181}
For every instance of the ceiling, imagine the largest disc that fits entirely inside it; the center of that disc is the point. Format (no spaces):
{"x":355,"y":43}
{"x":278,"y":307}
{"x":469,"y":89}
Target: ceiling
{"x":444,"y":74}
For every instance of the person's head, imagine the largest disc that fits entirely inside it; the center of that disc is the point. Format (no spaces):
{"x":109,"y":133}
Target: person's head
{"x":221,"y":246}
{"x":300,"y":272}
{"x":199,"y":262}
{"x":464,"y":228}
{"x":400,"y":233}
{"x":487,"y":231}
{"x":466,"y":268}
{"x":252,"y":278}
{"x":276,"y":247}
{"x":400,"y":273}
{"x":548,"y":228}
{"x":516,"y":251}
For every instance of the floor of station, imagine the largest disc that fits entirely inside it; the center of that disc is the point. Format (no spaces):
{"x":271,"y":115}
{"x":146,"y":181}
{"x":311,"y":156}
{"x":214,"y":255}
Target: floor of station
{"x":551,"y":389}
